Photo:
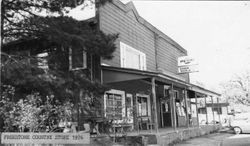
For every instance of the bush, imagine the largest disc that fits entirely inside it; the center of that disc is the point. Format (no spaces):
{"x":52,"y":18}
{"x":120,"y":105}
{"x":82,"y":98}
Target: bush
{"x":32,"y":114}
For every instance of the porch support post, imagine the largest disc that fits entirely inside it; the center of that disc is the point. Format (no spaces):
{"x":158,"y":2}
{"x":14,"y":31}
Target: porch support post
{"x":171,"y":107}
{"x":136,"y":113}
{"x":218,"y":109}
{"x":206,"y":109}
{"x":213,"y":109}
{"x":197,"y":114}
{"x":172,"y":98}
{"x":186,"y":106}
{"x":154,"y":102}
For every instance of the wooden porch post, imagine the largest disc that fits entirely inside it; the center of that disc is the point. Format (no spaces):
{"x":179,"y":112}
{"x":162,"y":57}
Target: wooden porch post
{"x":218,"y":109}
{"x":206,"y":109}
{"x":213,"y":109}
{"x":154,"y":102}
{"x":197,"y":114}
{"x":136,"y":113}
{"x":173,"y":107}
{"x":186,"y":106}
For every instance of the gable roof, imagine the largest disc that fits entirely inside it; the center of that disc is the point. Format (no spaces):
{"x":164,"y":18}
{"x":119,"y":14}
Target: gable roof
{"x":130,"y":7}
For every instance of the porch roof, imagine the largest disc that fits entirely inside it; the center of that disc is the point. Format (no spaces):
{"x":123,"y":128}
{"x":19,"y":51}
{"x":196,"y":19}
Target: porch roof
{"x":112,"y":74}
{"x":203,"y":91}
{"x":117,"y":74}
{"x":224,"y":104}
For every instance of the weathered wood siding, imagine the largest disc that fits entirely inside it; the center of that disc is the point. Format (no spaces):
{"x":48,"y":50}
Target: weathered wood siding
{"x":115,"y":20}
{"x":139,"y":34}
{"x":167,"y":56}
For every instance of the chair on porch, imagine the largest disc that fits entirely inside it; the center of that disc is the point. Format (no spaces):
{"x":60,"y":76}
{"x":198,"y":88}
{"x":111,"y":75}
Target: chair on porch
{"x":145,"y":123}
{"x":150,"y":125}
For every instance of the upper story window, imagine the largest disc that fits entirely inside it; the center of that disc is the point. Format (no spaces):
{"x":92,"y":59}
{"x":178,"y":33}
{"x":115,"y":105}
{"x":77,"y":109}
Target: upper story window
{"x":132,"y":58}
{"x":77,"y":59}
{"x":42,"y":61}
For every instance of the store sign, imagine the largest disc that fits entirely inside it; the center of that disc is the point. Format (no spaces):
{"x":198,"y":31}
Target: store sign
{"x":45,"y":138}
{"x":186,"y":60}
{"x":187,"y":64}
{"x":188,"y":69}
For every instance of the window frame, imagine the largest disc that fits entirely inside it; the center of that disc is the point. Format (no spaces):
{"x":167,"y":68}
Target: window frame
{"x":217,"y":109}
{"x":42,"y":62}
{"x":117,"y":92}
{"x":148,"y":105}
{"x":123,"y":56}
{"x":130,"y":107}
{"x":84,"y":55}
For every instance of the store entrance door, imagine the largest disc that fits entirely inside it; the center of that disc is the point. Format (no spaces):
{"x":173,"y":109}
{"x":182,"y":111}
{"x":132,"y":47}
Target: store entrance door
{"x":165,"y":114}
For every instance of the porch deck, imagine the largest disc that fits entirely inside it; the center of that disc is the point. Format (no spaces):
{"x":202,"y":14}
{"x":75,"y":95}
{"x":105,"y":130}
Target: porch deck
{"x":166,"y":136}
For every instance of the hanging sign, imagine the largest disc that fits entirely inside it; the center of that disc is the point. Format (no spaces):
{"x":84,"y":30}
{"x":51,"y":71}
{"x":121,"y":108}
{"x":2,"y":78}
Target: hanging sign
{"x":188,"y":69}
{"x":45,"y":138}
{"x":186,"y":61}
{"x":187,"y":64}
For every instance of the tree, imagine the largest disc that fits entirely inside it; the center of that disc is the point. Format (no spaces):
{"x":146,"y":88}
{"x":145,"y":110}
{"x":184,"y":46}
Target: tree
{"x":237,"y":90}
{"x":43,"y":26}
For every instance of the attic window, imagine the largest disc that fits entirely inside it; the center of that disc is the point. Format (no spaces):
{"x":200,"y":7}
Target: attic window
{"x":77,"y":59}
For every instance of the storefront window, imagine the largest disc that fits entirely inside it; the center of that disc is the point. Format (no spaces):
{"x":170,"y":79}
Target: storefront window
{"x":128,"y":106}
{"x":218,"y":110}
{"x":114,"y":106}
{"x":142,"y":106}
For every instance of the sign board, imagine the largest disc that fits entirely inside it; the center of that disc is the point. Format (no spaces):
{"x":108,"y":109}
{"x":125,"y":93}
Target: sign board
{"x":188,"y":69}
{"x":186,"y":60}
{"x":45,"y":138}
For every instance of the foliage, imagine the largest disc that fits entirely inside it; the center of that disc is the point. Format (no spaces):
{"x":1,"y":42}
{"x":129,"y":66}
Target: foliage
{"x":32,"y":114}
{"x":237,"y":90}
{"x":24,"y":18}
{"x":43,"y":26}
{"x":28,"y":78}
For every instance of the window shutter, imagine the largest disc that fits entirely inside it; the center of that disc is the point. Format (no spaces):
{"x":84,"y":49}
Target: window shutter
{"x":122,"y":54}
{"x":142,"y":61}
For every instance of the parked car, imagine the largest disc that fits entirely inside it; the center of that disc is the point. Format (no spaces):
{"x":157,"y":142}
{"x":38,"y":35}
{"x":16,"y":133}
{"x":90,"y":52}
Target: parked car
{"x":241,"y":124}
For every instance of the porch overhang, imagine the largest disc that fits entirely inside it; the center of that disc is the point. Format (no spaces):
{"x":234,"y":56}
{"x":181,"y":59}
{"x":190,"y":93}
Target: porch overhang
{"x":112,"y":74}
{"x":117,"y":74}
{"x":203,"y":91}
{"x":217,"y":105}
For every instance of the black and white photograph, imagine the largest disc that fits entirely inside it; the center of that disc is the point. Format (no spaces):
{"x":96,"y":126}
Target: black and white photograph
{"x":125,"y":73}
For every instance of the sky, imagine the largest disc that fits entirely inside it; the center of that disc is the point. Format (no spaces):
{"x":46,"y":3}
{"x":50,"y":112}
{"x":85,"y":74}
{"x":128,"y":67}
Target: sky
{"x":215,"y":33}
